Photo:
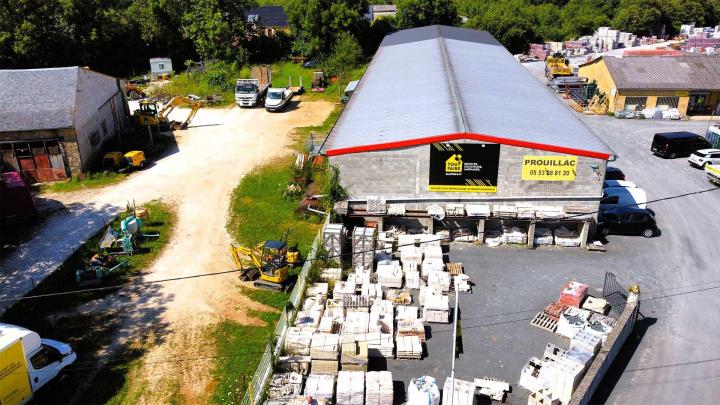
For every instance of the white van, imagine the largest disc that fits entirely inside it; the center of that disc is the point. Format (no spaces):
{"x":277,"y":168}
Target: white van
{"x":630,"y":197}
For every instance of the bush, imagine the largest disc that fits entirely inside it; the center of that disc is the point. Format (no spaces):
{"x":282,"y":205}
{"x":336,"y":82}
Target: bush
{"x":346,"y":55}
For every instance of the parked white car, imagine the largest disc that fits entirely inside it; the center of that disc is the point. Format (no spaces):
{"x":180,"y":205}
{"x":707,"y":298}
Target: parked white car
{"x":618,"y":183}
{"x":704,"y":156}
{"x":629,"y":197}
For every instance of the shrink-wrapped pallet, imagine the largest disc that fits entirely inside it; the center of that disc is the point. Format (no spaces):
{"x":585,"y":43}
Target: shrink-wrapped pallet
{"x":316,"y":289}
{"x":372,"y":290}
{"x":573,"y":294}
{"x":515,"y":235}
{"x":412,"y":279}
{"x":309,"y":319}
{"x":408,"y":347}
{"x":566,"y":238}
{"x":410,"y":253}
{"x":390,"y":275}
{"x":382,"y":317}
{"x":461,"y":283}
{"x":351,"y":388}
{"x":344,"y":289}
{"x":399,"y":297}
{"x":320,"y":386}
{"x":478,"y":210}
{"x":356,"y":323}
{"x":410,"y":266}
{"x":431,"y":264}
{"x":297,"y":340}
{"x":406,"y":312}
{"x":433,"y":252}
{"x":285,"y":385}
{"x":379,"y":344}
{"x":494,"y":238}
{"x":314,"y":303}
{"x":439,"y":280}
{"x":325,"y":346}
{"x":460,"y":392}
{"x":378,"y":388}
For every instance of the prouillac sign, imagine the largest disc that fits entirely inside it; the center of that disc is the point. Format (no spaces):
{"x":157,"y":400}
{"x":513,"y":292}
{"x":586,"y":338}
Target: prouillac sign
{"x":464,"y":167}
{"x":549,"y":168}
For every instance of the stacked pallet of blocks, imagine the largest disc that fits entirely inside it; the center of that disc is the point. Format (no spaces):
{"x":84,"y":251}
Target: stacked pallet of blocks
{"x":334,"y":236}
{"x":351,"y":388}
{"x":462,"y":394}
{"x":378,"y":388}
{"x":324,"y":352}
{"x":363,"y":247}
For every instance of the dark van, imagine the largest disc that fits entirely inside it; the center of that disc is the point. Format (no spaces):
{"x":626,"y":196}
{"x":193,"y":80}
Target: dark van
{"x":675,"y":144}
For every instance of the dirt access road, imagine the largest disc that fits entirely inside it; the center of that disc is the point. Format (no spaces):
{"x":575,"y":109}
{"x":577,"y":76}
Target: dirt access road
{"x":219,"y":148}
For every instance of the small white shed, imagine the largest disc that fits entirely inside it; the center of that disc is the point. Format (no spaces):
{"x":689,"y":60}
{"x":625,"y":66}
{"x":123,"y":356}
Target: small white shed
{"x":159,"y":67}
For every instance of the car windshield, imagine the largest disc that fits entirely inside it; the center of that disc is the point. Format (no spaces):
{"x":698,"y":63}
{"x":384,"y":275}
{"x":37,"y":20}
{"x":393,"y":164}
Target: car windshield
{"x":274,"y":96}
{"x":245,"y":88}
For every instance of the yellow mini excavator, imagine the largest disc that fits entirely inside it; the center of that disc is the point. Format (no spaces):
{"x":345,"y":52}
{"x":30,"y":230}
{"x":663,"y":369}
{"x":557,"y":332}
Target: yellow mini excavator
{"x":271,"y":261}
{"x":149,"y":115}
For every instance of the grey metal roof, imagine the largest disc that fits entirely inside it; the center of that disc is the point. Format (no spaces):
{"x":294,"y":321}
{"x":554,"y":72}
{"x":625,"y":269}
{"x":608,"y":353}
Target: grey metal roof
{"x":34,"y":99}
{"x":268,"y":16}
{"x":438,"y":83}
{"x":694,"y":72}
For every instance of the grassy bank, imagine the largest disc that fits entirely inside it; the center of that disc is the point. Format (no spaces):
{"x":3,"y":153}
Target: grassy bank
{"x":91,"y":180}
{"x":240,"y":347}
{"x":57,"y":317}
{"x":283,"y":72}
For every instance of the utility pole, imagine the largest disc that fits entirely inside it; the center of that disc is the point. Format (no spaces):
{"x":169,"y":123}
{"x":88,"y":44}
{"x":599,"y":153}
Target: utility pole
{"x":452,"y":366}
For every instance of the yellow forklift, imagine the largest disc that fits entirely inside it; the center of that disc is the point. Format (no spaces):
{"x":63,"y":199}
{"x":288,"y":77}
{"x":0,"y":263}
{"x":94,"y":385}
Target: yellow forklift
{"x":271,"y":261}
{"x":133,"y":160}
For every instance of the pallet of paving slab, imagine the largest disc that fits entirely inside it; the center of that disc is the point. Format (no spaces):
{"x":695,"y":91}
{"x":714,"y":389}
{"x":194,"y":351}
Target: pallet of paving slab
{"x":454,"y":268}
{"x":545,"y":321}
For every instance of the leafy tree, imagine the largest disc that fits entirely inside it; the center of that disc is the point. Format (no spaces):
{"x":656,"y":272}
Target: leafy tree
{"x":316,"y":23}
{"x":346,"y":55}
{"x":644,"y":17}
{"x":419,"y":13}
{"x":510,"y":23}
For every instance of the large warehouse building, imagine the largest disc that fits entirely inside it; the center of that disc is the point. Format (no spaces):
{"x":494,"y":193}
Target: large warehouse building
{"x":446,"y":115}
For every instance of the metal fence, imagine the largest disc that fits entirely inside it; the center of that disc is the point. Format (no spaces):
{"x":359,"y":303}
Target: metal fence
{"x":256,"y":388}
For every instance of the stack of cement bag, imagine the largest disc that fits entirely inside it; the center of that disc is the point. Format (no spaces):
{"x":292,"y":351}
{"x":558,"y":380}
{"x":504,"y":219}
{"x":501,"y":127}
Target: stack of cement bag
{"x":566,"y":238}
{"x":515,"y":235}
{"x":543,"y":237}
{"x":494,"y":238}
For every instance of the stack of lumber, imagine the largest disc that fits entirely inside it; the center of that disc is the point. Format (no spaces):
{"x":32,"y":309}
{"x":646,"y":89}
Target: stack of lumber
{"x":331,"y":273}
{"x":436,"y":308}
{"x":454,"y":268}
{"x":408,"y":347}
{"x":378,"y":388}
{"x":344,"y":288}
{"x":354,"y":355}
{"x":399,"y":297}
{"x":351,"y":388}
{"x":294,"y":363}
{"x":390,"y":275}
{"x":309,"y":319}
{"x":334,"y":236}
{"x":543,"y":236}
{"x":406,"y":312}
{"x":412,"y":279}
{"x":320,"y":386}
{"x":379,"y":344}
{"x":363,"y":247}
{"x":439,"y":280}
{"x":382,"y":317}
{"x":463,"y":394}
{"x":372,"y":290}
{"x":411,"y":327}
{"x":297,"y":340}
{"x":478,"y":210}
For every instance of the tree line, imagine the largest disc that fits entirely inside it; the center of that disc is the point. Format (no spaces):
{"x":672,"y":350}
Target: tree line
{"x":118,"y":36}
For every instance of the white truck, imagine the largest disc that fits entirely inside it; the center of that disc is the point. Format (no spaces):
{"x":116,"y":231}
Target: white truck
{"x":251,"y":92}
{"x":28,"y":362}
{"x":713,"y":173}
{"x":277,"y":98}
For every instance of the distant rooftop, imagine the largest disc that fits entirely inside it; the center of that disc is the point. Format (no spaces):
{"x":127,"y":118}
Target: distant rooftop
{"x":665,"y":72}
{"x":268,"y":16}
{"x":440,"y":83}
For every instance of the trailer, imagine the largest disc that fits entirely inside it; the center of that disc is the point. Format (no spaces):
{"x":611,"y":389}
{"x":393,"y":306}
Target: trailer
{"x":252,"y":92}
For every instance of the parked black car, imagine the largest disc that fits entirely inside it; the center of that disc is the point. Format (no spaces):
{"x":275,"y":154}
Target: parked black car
{"x":676,"y":144}
{"x":613,"y":173}
{"x":628,"y":221}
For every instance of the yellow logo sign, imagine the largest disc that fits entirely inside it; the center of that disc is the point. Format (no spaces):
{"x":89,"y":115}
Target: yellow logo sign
{"x":14,"y":382}
{"x":549,"y":168}
{"x":454,"y":164}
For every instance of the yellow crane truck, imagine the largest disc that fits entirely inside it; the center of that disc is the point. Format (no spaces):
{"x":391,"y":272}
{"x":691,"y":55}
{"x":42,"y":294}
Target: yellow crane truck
{"x":556,"y":66}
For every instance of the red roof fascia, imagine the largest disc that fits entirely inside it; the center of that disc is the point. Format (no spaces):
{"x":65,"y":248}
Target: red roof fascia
{"x":465,"y":135}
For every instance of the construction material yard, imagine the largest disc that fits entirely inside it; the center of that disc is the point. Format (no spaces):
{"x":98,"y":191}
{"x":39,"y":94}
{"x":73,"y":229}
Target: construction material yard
{"x":197,"y":179}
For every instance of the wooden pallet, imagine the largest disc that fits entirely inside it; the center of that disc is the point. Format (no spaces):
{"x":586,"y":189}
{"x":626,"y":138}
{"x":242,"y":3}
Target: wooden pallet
{"x":544,"y":321}
{"x":454,"y":268}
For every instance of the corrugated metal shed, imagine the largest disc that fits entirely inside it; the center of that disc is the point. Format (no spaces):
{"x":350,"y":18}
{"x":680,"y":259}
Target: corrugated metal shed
{"x":38,"y":99}
{"x":439,"y":83}
{"x":696,"y":72}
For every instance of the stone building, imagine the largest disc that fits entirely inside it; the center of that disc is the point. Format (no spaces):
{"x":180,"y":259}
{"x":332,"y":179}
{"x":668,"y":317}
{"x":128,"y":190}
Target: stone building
{"x":54,"y":122}
{"x":446,"y":115}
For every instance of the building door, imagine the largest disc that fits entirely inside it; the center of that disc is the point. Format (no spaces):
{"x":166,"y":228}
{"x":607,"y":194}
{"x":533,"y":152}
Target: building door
{"x":698,"y":103}
{"x":57,"y":163}
{"x":42,"y":162}
{"x":9,"y":162}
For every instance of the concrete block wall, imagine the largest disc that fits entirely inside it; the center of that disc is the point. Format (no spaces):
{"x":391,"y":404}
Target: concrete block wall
{"x":402,"y":175}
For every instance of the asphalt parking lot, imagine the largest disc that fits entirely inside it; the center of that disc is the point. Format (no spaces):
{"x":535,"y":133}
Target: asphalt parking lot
{"x":673,"y":357}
